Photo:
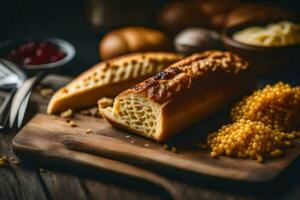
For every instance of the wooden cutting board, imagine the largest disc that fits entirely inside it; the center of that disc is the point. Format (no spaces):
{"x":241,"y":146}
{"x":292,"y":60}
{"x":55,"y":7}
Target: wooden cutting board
{"x":49,"y":136}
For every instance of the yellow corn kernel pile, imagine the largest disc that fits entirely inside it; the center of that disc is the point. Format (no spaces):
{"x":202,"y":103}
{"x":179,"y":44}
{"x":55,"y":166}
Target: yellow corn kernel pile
{"x":247,"y":139}
{"x":261,"y":122}
{"x":277,"y":106}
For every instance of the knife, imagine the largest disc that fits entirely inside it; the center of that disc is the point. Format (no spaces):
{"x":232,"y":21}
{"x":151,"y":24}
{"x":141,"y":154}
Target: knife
{"x":14,"y":79}
{"x":21,"y":99}
{"x":22,"y":110}
{"x":4,"y":108}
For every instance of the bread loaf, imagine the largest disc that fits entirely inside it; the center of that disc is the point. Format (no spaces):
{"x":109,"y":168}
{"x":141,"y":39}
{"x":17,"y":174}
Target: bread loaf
{"x":179,"y":15}
{"x":257,"y":12}
{"x":180,"y":95}
{"x":109,"y":78}
{"x":132,"y":39}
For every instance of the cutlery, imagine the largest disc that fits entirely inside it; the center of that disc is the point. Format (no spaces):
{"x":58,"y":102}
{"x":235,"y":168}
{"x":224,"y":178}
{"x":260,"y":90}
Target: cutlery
{"x":21,"y":98}
{"x":10,"y":79}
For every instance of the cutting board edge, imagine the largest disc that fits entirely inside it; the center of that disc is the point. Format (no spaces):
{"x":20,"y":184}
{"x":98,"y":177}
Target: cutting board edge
{"x":19,"y":148}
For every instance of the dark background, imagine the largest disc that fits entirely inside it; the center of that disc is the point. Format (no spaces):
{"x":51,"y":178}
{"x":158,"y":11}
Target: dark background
{"x":68,"y":19}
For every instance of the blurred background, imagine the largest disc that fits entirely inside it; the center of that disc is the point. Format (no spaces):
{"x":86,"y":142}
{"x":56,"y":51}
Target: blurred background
{"x":84,"y":22}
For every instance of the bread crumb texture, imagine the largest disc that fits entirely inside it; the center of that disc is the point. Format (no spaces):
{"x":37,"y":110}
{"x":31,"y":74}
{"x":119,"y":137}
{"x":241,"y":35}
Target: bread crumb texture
{"x":105,"y":102}
{"x":138,"y":113}
{"x":67,"y":114}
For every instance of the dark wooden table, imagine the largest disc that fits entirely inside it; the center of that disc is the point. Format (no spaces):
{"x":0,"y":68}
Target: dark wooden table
{"x":29,"y":180}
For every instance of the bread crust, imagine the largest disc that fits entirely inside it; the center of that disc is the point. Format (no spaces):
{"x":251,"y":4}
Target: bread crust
{"x":109,"y":78}
{"x":171,"y":82}
{"x":132,"y":39}
{"x":190,"y":90}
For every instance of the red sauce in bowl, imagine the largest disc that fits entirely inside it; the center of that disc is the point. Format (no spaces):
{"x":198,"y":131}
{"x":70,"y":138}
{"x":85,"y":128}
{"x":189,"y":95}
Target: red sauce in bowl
{"x":36,"y":53}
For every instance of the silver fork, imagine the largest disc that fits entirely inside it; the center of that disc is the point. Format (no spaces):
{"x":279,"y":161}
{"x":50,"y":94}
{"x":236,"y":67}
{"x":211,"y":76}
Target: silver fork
{"x":10,"y":79}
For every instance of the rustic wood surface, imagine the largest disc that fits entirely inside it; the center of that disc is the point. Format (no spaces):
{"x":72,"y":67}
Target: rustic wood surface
{"x":28,"y":181}
{"x":51,"y":136}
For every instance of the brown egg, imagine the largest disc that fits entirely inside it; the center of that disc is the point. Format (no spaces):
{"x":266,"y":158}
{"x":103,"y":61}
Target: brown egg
{"x":192,"y":40}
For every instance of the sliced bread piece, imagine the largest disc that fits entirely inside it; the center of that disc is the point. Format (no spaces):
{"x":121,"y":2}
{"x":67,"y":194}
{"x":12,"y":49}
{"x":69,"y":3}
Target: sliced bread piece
{"x":109,"y":78}
{"x":180,"y":95}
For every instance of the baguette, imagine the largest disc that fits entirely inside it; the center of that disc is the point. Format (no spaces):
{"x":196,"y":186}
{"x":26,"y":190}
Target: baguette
{"x":109,"y":78}
{"x":180,"y":95}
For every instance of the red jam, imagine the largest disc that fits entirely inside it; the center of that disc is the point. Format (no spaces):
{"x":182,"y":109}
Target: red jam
{"x":36,"y":53}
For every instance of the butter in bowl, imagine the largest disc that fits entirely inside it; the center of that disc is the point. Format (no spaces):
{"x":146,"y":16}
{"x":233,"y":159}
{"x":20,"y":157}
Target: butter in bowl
{"x":269,"y":46}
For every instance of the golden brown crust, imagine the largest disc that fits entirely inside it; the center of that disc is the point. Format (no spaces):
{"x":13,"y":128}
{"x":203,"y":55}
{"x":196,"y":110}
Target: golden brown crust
{"x":184,"y":93}
{"x":109,"y":78}
{"x":167,"y":84}
{"x":132,"y":39}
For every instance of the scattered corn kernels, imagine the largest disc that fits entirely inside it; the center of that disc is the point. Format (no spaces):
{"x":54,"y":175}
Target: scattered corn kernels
{"x":277,"y":106}
{"x":247,"y":139}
